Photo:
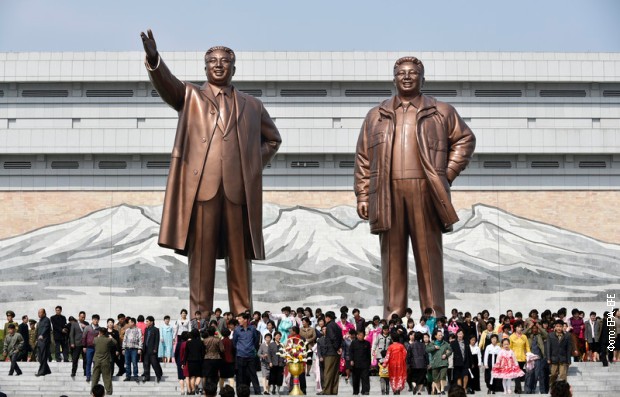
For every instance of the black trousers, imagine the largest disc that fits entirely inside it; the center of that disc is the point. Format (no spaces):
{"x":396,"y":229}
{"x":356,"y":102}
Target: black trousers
{"x":76,"y":352}
{"x":149,"y":360}
{"x":246,"y":373}
{"x":15,"y":357}
{"x":59,"y":344}
{"x":361,"y":375}
{"x":44,"y":352}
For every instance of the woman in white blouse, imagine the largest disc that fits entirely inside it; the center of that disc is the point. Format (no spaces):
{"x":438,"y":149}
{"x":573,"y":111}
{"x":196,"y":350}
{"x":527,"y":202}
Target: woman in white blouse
{"x":490,"y":356}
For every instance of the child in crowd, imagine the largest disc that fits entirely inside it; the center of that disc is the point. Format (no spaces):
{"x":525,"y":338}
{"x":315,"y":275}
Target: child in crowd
{"x":506,"y":367}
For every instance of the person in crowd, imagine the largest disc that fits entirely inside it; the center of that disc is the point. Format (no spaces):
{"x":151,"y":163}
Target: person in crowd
{"x":76,"y":332}
{"x":32,"y":340}
{"x":408,"y":343}
{"x":410,"y":326}
{"x":183,"y":375}
{"x":505,"y":327}
{"x":88,"y":343}
{"x":115,"y":352}
{"x":483,"y":319}
{"x":198,"y":322}
{"x":431,"y":320}
{"x":359,"y":361}
{"x":474,"y":369}
{"x":276,"y":364}
{"x":245,"y":340}
{"x":10,"y":319}
{"x":308,"y":333}
{"x":321,"y":349}
{"x":576,"y":327}
{"x":457,"y":391}
{"x":593,"y":336}
{"x":469,"y":328}
{"x":194,"y":353}
{"x":102,"y":359}
{"x":261,"y":326}
{"x":210,"y":389}
{"x":227,"y":365}
{"x":506,"y":367}
{"x":417,"y":362}
{"x":180,"y":325}
{"x":344,"y":325}
{"x":490,"y":358}
{"x":561,"y":388}
{"x":333,"y":350}
{"x":166,"y":337}
{"x":44,"y":331}
{"x":60,"y":334}
{"x":384,"y":376}
{"x":149,"y":351}
{"x":537,"y":337}
{"x":22,"y":329}
{"x":485,"y":336}
{"x":213,"y":350}
{"x":13,"y":347}
{"x":559,"y":348}
{"x":461,"y":358}
{"x":97,"y":391}
{"x":263,"y":355}
{"x":358,"y":321}
{"x":381,"y":343}
{"x":450,"y":372}
{"x":131,"y":349}
{"x":520,"y":345}
{"x":285,"y":321}
{"x":421,"y":326}
{"x":439,"y":351}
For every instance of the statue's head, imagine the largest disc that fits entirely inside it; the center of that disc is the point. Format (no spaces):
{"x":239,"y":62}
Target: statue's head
{"x":220,"y":65}
{"x":408,"y":76}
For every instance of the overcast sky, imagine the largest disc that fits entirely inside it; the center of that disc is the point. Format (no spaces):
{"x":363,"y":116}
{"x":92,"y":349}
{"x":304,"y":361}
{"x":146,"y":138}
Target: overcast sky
{"x":316,"y":25}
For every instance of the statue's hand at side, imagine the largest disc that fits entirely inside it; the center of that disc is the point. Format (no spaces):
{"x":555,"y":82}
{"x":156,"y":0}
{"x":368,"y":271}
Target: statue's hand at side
{"x":150,"y":47}
{"x":362,"y":210}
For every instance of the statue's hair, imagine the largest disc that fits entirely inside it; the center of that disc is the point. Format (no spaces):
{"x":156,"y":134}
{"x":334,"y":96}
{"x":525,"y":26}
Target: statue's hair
{"x":221,"y":48}
{"x":413,"y":60}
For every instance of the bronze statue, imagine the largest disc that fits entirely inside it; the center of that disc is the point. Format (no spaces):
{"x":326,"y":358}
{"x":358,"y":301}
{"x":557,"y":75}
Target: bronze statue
{"x":213,"y":202}
{"x":410,"y":149}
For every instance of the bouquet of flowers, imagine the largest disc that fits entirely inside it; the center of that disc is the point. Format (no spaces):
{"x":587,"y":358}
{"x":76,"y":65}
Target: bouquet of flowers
{"x":294,"y":351}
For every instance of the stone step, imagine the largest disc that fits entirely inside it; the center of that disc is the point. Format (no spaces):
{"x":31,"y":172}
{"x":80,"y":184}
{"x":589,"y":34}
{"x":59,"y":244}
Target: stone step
{"x":587,"y":379}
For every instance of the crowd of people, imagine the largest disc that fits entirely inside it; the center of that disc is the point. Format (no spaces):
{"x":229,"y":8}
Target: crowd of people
{"x":435,"y":355}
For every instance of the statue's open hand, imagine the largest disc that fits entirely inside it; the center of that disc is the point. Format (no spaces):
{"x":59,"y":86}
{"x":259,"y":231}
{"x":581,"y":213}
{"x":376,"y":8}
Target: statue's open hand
{"x":150,"y":47}
{"x":362,"y":210}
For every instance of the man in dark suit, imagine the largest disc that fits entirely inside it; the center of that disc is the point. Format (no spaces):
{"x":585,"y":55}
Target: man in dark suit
{"x":59,"y":331}
{"x":213,"y":203}
{"x":558,"y":349}
{"x":333,"y":350}
{"x":151,"y":347}
{"x":44,"y":330}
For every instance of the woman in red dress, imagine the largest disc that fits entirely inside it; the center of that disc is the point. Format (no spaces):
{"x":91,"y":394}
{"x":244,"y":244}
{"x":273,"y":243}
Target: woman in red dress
{"x":396,"y":362}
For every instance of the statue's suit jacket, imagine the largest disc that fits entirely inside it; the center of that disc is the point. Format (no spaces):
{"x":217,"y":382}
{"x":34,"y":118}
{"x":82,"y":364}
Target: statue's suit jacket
{"x":259,"y":140}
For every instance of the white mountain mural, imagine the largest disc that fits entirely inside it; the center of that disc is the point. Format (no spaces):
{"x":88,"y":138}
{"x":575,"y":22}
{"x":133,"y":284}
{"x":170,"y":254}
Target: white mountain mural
{"x":109,"y":260}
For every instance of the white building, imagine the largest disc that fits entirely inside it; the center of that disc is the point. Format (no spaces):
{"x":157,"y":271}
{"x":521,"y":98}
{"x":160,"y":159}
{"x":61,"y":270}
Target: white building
{"x":92,"y":121}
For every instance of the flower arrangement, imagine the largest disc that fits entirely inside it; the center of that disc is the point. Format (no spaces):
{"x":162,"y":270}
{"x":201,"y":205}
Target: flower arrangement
{"x":294,"y":351}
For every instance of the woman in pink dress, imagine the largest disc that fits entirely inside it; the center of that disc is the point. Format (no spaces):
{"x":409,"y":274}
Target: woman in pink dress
{"x":506,"y":367}
{"x":396,"y":362}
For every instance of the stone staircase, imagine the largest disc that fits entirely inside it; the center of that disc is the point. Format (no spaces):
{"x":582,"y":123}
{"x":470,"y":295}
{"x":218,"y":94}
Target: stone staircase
{"x":587,"y":380}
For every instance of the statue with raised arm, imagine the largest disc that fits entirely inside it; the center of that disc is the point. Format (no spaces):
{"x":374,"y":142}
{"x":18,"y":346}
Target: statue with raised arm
{"x":213,"y":202}
{"x":410,"y":149}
